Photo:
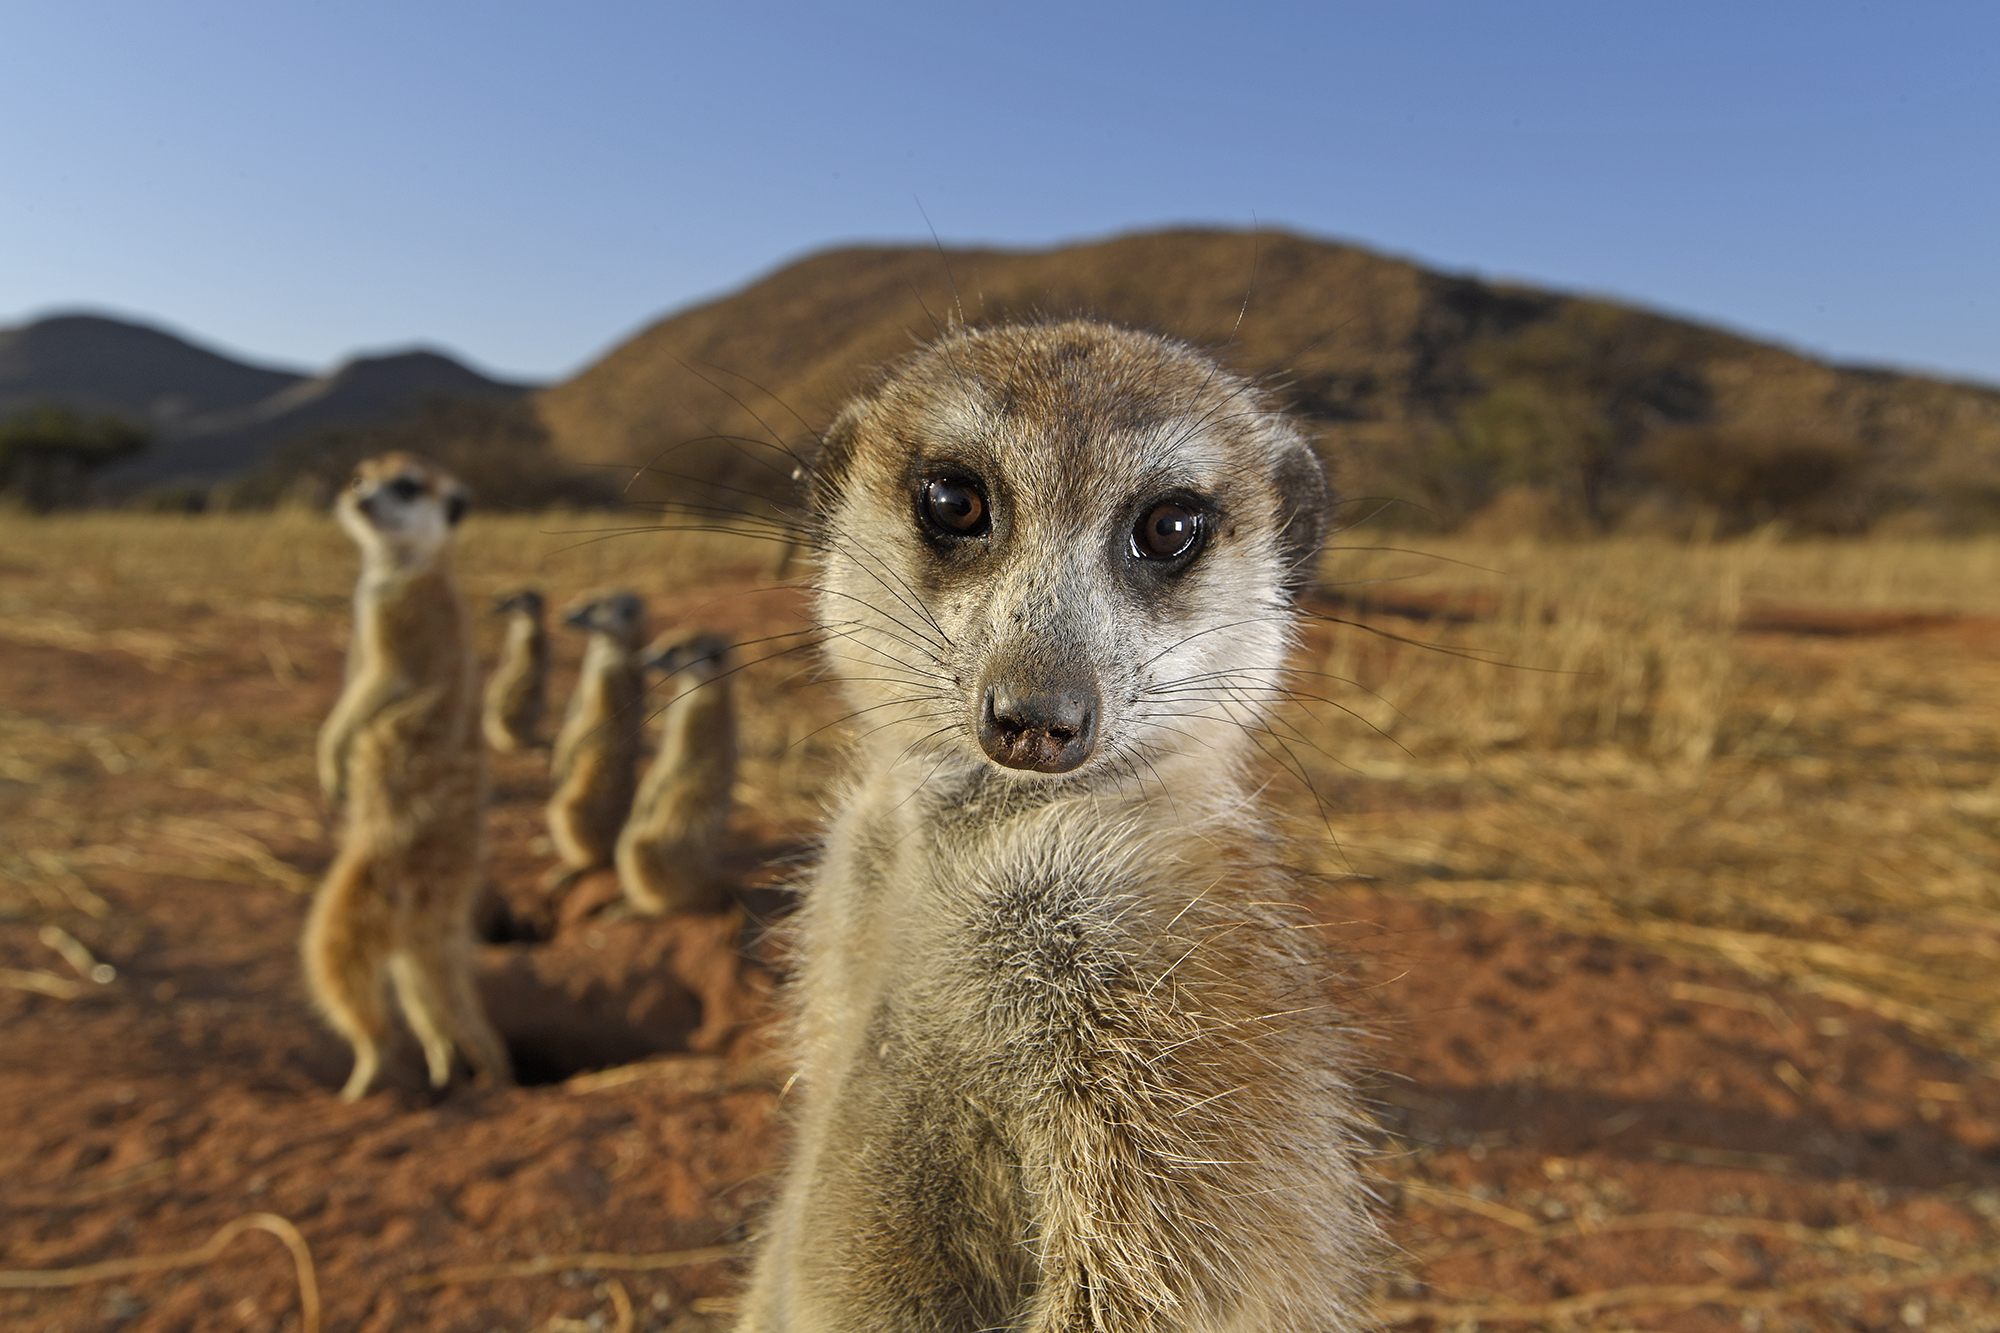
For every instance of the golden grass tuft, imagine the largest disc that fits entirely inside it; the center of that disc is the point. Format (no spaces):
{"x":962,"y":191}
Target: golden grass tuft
{"x":1592,"y":739}
{"x":1596,"y":741}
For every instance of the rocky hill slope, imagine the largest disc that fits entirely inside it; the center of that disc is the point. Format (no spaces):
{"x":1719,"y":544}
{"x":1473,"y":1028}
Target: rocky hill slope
{"x":1446,"y":392}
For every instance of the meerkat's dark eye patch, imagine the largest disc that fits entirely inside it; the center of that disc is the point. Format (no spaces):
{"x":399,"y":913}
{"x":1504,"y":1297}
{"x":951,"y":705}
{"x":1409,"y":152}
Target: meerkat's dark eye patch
{"x":954,"y":507}
{"x":1168,"y":530}
{"x":406,"y":488}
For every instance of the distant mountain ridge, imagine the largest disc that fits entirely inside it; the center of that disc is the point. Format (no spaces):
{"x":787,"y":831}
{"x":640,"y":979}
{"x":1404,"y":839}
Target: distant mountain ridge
{"x":109,"y":367}
{"x":1444,"y":390}
{"x":213,"y":418}
{"x":1522,"y":407}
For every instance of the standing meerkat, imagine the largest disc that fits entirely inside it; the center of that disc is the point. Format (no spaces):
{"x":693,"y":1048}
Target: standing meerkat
{"x":669,"y":851}
{"x":401,"y":756}
{"x":517,"y":693}
{"x":596,"y":755}
{"x":1068,"y":1060}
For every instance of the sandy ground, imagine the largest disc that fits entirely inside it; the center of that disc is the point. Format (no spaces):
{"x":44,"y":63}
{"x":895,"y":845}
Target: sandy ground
{"x":1577,"y":1132}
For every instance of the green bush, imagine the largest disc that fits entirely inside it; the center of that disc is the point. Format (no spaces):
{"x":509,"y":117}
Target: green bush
{"x":47,"y":454}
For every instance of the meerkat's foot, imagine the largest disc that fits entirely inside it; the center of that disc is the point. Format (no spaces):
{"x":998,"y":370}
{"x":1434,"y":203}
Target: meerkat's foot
{"x":367,"y":1064}
{"x":560,"y":878}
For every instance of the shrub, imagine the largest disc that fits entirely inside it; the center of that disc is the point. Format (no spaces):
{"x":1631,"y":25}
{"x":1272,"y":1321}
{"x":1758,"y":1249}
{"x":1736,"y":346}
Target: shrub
{"x":1750,"y":476}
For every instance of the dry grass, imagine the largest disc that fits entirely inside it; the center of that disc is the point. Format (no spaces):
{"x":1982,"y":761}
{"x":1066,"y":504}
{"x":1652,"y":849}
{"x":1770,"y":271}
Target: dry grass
{"x":1599,"y":746}
{"x":1612,"y":754}
{"x":185,"y":596}
{"x":1594,"y":742}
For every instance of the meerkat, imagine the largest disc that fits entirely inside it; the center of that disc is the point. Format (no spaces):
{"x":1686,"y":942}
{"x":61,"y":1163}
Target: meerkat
{"x":669,"y":849}
{"x":1067,"y":1057}
{"x":596,"y":755}
{"x":400,"y":756}
{"x":517,"y":693}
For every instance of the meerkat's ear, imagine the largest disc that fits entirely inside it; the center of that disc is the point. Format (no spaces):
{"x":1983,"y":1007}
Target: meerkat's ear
{"x":1304,"y":502}
{"x":826,"y":476}
{"x":455,"y":503}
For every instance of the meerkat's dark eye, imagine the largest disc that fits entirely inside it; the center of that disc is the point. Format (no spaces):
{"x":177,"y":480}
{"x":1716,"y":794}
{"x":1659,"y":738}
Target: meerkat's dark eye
{"x":1167,"y":531}
{"x":406,"y":488}
{"x":954,"y":507}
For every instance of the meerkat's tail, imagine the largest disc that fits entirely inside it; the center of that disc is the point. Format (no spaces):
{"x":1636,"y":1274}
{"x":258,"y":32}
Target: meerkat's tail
{"x":346,"y":946}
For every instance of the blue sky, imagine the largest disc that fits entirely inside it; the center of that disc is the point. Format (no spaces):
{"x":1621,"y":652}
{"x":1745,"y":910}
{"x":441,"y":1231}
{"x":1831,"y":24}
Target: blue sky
{"x":525,"y":185}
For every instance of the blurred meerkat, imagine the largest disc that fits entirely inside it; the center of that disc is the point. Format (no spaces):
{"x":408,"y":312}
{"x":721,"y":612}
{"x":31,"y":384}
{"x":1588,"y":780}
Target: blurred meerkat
{"x":400,"y":754}
{"x":669,"y":850}
{"x":517,"y":693}
{"x":1067,"y":1056}
{"x":596,"y":755}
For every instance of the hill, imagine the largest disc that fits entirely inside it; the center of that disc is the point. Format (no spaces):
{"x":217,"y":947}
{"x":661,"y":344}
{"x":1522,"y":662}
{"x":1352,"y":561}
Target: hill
{"x":1460,"y":395}
{"x":211,"y":418}
{"x":108,"y":367}
{"x":365,"y":392}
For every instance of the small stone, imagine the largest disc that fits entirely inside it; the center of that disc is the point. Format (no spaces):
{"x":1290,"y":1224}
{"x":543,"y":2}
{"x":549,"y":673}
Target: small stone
{"x":121,"y":1305}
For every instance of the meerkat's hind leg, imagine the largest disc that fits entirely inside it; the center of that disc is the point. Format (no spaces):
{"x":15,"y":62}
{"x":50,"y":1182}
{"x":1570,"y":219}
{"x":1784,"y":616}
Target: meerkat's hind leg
{"x":560,"y":877}
{"x":635,"y":878}
{"x":656,"y":885}
{"x":435,"y":984}
{"x":346,"y":945}
{"x":423,"y":1013}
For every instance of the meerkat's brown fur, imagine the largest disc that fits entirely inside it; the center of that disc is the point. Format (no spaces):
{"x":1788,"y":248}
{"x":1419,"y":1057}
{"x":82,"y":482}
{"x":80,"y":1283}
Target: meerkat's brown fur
{"x":596,"y":755}
{"x":401,"y":756}
{"x":670,"y":849}
{"x":517,"y":693}
{"x":1068,"y":1058}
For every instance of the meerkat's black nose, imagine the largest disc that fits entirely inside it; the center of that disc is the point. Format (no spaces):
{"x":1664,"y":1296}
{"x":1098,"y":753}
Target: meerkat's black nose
{"x":1043,"y":731}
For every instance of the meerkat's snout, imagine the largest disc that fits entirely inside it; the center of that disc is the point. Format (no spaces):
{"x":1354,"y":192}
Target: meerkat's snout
{"x":1042,"y":730}
{"x":397,"y":507}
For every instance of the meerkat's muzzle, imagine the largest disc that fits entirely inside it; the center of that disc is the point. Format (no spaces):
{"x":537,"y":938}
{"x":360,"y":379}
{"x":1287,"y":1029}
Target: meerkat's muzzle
{"x":1039,"y":730}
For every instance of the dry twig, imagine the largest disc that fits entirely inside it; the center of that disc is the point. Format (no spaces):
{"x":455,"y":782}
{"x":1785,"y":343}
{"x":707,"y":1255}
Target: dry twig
{"x":543,"y":1264}
{"x":1851,"y":1239}
{"x":1671,"y":1296}
{"x":621,"y":1306}
{"x":42,"y":983}
{"x":44,"y":1278}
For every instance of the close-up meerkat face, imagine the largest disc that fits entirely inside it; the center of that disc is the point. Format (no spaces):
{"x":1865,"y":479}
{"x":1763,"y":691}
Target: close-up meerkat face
{"x":1064,"y":549}
{"x":401,"y":505}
